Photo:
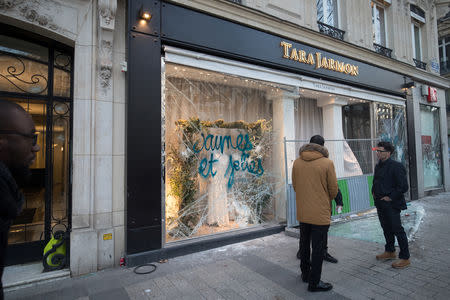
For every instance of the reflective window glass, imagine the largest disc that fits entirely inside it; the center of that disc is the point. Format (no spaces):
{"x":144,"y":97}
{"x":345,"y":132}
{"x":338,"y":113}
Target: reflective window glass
{"x":222,"y":157}
{"x":23,"y":48}
{"x":431,"y":146}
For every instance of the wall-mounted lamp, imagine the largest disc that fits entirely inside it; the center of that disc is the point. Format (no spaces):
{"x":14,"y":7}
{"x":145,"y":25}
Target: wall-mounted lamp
{"x":144,"y":14}
{"x":408,"y":85}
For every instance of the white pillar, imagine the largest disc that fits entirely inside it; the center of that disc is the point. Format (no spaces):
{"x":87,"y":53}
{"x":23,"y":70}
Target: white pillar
{"x":332,"y":130}
{"x":283,"y":126}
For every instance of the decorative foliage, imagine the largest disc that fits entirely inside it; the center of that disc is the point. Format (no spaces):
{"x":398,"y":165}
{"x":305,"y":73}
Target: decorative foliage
{"x":247,"y":197}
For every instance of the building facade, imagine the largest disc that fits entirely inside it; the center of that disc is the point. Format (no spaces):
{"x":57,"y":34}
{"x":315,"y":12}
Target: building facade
{"x":171,"y":126}
{"x":443,"y":24}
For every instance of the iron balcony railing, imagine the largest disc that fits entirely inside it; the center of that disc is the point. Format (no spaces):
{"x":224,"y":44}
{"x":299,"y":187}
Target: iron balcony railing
{"x":331,"y":31}
{"x":382,"y":50}
{"x":420,"y":64}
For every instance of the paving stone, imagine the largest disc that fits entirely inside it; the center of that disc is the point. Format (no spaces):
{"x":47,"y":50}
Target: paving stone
{"x":267,"y":268}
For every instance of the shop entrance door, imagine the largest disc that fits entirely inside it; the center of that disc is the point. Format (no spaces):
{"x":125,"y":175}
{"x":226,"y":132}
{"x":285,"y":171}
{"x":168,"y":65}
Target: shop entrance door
{"x":37,"y":74}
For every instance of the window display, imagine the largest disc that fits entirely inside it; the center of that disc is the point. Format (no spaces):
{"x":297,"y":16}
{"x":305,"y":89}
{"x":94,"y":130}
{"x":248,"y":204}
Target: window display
{"x":222,"y":171}
{"x":431,"y":146}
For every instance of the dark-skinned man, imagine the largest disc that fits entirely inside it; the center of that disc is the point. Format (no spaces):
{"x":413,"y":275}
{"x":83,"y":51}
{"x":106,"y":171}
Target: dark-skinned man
{"x":18,"y":147}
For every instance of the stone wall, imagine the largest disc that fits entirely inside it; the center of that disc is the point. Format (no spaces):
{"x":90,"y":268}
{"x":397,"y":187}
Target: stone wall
{"x":96,"y":30}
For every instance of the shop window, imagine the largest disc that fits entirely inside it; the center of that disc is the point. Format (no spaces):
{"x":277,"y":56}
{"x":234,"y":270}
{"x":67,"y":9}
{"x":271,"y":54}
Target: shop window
{"x":431,"y":146}
{"x":222,"y":163}
{"x":357,"y":130}
{"x":391,"y":126}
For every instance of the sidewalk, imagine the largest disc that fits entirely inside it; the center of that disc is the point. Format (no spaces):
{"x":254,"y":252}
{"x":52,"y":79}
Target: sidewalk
{"x":267,"y":268}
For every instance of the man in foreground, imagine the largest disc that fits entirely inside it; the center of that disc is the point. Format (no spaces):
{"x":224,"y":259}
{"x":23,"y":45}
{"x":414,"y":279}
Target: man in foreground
{"x":315,"y":184}
{"x":18,"y":149}
{"x":389,"y":186}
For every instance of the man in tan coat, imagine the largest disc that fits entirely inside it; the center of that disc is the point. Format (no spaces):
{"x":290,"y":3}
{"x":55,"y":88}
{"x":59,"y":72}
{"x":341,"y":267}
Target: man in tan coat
{"x":315,"y":184}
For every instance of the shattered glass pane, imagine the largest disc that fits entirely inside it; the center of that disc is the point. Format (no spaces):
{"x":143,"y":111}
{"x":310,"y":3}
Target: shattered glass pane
{"x":223,"y":152}
{"x":431,"y":146}
{"x":391,"y":126}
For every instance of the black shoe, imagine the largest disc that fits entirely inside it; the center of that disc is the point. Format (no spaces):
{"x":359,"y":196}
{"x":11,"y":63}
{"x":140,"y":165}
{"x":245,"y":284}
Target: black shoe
{"x":298,"y":254}
{"x":330,"y":258}
{"x":320,"y":287}
{"x":304,"y":277}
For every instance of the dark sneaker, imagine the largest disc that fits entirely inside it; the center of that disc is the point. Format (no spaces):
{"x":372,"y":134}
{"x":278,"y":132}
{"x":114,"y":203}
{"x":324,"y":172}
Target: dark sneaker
{"x":320,"y":287}
{"x":304,"y":277}
{"x":330,"y":258}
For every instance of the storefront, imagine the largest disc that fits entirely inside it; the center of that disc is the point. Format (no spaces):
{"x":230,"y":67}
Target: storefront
{"x":224,"y":104}
{"x":164,"y":133}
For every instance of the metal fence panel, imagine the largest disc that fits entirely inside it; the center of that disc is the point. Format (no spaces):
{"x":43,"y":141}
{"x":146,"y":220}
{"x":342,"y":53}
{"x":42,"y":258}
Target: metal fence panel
{"x":358,"y":193}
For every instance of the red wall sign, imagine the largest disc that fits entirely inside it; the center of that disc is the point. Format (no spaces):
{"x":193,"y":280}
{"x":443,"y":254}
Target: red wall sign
{"x":432,"y":94}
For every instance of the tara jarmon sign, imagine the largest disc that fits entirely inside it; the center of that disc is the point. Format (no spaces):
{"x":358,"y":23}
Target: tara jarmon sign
{"x":316,"y":59}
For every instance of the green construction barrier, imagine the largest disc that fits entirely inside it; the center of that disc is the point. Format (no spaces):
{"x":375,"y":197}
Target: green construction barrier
{"x":342,"y":184}
{"x":370,"y":182}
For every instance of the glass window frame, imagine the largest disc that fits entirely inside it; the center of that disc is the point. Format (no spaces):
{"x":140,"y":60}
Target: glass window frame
{"x":423,"y":106}
{"x":443,"y":43}
{"x":383,"y":28}
{"x":251,"y":75}
{"x":325,"y":9}
{"x":415,"y":25}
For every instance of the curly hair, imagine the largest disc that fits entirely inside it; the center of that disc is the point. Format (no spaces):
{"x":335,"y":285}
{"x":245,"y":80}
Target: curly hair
{"x":387,"y":146}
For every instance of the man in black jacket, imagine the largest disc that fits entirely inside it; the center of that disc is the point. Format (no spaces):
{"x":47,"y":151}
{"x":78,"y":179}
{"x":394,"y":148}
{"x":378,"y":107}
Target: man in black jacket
{"x":389,"y":186}
{"x":18,"y":149}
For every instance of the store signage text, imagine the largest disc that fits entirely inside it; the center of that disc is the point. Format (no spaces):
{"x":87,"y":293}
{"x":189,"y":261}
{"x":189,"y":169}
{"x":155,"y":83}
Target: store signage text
{"x":432,"y":94}
{"x":220,"y":142}
{"x":318,"y":60}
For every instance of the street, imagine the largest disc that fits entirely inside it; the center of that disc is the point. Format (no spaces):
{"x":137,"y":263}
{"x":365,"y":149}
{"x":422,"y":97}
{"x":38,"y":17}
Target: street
{"x":267,"y":268}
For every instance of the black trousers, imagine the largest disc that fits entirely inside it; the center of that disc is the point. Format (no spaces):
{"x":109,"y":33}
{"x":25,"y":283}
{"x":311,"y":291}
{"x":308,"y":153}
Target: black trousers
{"x":3,"y":246}
{"x":392,"y":227}
{"x":311,"y":265}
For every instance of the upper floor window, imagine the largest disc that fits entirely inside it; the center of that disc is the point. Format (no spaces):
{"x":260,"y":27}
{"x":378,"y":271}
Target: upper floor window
{"x":327,"y":18}
{"x":378,"y":24}
{"x":327,"y":12}
{"x":444,"y":54}
{"x":417,"y":36}
{"x":417,"y":21}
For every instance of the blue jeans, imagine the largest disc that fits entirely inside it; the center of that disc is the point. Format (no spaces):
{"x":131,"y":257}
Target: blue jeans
{"x":392,"y":227}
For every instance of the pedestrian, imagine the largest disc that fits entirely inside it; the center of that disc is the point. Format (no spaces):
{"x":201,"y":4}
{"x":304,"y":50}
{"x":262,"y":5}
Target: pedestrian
{"x":18,"y":149}
{"x":389,"y":186}
{"x":326,"y":255}
{"x":315,"y":184}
